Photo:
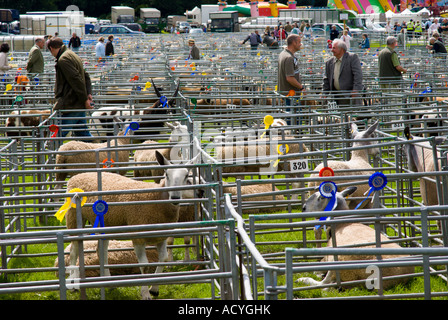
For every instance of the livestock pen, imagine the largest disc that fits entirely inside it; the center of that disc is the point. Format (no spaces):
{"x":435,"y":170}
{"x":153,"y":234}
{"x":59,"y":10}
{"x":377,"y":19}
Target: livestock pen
{"x":227,"y":94}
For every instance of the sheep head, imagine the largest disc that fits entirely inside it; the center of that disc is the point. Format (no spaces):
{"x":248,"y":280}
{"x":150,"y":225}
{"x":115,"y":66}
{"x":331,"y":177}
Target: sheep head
{"x":316,"y":202}
{"x":366,"y":134}
{"x":415,"y":151}
{"x":174,"y":177}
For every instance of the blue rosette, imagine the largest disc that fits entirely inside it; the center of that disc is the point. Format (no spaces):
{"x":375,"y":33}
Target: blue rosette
{"x":100,"y":208}
{"x":377,"y":182}
{"x":132,"y":126}
{"x":328,"y":189}
{"x":163,"y":100}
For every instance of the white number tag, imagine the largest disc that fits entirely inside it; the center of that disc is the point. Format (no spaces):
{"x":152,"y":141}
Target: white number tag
{"x":298,"y":165}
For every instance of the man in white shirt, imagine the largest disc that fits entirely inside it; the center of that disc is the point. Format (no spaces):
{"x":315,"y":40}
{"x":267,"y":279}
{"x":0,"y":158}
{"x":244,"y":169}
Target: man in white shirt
{"x":433,"y":28}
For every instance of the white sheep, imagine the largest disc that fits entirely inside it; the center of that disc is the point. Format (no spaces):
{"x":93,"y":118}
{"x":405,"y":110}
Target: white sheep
{"x":359,"y":163}
{"x":71,"y":154}
{"x":131,"y":214}
{"x":179,"y":134}
{"x":421,"y":159}
{"x":352,"y":235}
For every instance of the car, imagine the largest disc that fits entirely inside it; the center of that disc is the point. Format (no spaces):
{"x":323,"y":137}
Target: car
{"x":132,"y":26}
{"x":376,"y":27}
{"x":118,"y":29}
{"x":196,"y":31}
{"x":318,"y":32}
{"x":339,"y":26}
{"x":183,"y":27}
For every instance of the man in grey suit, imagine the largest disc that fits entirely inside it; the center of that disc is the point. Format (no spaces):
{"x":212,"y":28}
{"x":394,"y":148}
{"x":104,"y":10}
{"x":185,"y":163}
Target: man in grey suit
{"x":343,"y":75}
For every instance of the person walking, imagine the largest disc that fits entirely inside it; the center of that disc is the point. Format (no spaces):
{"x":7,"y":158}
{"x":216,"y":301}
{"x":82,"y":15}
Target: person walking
{"x":100,"y":49}
{"x":74,"y":43}
{"x":73,"y":89}
{"x":4,"y":66}
{"x":343,"y":75}
{"x":109,"y":46}
{"x":254,"y":40}
{"x":389,"y":68}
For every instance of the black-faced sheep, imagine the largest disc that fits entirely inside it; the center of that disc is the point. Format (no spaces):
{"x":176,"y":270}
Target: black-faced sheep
{"x":131,"y":214}
{"x":72,"y":153}
{"x":351,"y":235}
{"x":24,"y":118}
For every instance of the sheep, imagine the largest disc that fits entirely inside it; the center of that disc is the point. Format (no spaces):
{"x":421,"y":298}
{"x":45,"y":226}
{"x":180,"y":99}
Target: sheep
{"x":120,"y":252}
{"x":421,"y":159}
{"x":228,"y":152}
{"x":70,"y":154}
{"x":359,"y":161}
{"x":352,"y":235}
{"x":24,"y":118}
{"x":179,"y":133}
{"x":104,"y":117}
{"x":132,"y":214}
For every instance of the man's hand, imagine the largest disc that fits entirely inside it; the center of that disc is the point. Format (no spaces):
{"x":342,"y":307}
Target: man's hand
{"x":89,"y":102}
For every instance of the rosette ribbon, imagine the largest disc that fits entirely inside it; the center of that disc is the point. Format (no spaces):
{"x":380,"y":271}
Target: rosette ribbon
{"x":377,"y":181}
{"x":328,"y":189}
{"x":60,"y":214}
{"x":132,"y":126}
{"x":100,"y":209}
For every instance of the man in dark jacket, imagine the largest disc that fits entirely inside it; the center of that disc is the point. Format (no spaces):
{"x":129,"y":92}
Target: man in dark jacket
{"x":436,"y":46}
{"x":75,"y":42}
{"x":254,"y":40}
{"x":110,"y":46}
{"x":334,"y":33}
{"x":73,"y":89}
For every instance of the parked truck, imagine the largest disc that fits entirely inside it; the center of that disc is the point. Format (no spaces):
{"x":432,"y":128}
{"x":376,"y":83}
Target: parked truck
{"x":172,"y":21}
{"x":150,"y":20}
{"x":122,"y":14}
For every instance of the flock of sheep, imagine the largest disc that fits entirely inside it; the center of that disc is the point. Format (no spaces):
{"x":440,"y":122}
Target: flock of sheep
{"x":130,"y":148}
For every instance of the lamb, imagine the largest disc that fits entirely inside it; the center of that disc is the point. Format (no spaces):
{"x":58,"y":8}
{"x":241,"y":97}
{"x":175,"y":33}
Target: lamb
{"x":120,"y":252}
{"x":179,"y":134}
{"x":24,"y":118}
{"x":71,"y":154}
{"x":149,"y":213}
{"x":420,"y":159}
{"x":352,"y":234}
{"x":359,"y":161}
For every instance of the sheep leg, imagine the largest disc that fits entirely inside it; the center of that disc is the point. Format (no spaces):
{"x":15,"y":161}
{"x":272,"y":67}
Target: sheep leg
{"x":140,"y":252}
{"x":105,"y":256}
{"x":170,"y":242}
{"x":163,"y":257}
{"x":74,"y":255}
{"x":187,"y":241}
{"x":311,"y":282}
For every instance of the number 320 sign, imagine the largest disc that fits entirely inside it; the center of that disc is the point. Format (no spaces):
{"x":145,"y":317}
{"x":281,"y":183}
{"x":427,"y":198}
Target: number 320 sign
{"x":299,"y":165}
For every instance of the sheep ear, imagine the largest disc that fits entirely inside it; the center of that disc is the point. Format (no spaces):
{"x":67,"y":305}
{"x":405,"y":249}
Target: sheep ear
{"x":354,"y":129}
{"x":169,"y":125}
{"x":348,"y":191}
{"x":440,"y":140}
{"x":372,"y":128}
{"x":162,"y":160}
{"x":155,"y":89}
{"x":407,"y":133}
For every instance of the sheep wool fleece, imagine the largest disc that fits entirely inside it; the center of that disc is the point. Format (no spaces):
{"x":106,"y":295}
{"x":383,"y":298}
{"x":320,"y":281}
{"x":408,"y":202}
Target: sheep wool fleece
{"x":121,"y":215}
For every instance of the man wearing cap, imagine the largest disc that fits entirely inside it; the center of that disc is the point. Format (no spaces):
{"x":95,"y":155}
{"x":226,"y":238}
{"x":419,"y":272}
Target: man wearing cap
{"x":194,"y":51}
